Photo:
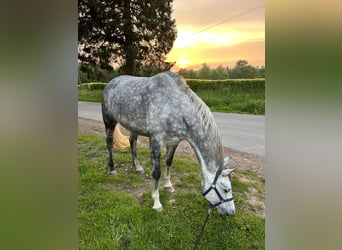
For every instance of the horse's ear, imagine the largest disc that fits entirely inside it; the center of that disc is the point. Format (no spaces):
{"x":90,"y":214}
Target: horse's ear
{"x":226,"y":161}
{"x":227,"y":171}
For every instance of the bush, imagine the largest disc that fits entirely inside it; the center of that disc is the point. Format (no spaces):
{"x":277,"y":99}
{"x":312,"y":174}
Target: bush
{"x":94,"y":73}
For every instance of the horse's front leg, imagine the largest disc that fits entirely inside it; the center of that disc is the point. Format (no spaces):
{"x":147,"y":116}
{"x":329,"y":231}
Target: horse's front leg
{"x":169,"y":157}
{"x":133,"y":141}
{"x":155,"y":149}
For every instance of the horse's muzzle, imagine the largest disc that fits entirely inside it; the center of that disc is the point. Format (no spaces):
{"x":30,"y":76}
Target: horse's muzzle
{"x":230,"y":212}
{"x":227,"y":210}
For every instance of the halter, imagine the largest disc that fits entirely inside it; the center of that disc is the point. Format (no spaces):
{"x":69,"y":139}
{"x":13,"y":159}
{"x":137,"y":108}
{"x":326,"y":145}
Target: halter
{"x":213,"y":186}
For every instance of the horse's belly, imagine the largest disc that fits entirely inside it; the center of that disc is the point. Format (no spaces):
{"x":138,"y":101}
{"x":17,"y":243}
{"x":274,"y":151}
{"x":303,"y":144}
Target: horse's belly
{"x":132,"y":117}
{"x":137,"y":127}
{"x":172,"y":140}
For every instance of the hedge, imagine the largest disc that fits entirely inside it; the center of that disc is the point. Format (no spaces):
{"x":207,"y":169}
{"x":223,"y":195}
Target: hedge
{"x":254,"y":85}
{"x":92,"y":86}
{"x":234,"y":84}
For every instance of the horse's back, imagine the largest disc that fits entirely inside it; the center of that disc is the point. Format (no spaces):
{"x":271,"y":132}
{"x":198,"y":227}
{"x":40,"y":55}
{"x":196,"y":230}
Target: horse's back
{"x":147,"y":105}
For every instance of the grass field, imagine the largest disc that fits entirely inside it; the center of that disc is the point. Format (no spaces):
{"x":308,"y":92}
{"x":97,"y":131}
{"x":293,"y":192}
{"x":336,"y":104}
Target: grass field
{"x":218,"y":100}
{"x":115,"y":212}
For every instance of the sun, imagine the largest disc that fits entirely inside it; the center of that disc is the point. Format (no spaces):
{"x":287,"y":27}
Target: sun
{"x":183,"y":60}
{"x":182,"y":63}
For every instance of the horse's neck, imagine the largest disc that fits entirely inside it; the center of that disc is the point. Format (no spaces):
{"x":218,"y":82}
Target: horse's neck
{"x":204,"y":135}
{"x":205,"y":165}
{"x":208,"y":158}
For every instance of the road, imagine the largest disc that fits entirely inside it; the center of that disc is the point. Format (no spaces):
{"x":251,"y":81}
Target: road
{"x":244,"y":133}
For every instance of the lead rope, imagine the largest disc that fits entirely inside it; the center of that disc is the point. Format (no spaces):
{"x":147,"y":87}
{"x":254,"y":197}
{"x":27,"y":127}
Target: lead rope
{"x":202,"y":230}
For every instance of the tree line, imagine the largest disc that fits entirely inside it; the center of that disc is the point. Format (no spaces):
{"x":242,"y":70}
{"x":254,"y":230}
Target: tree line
{"x":241,"y":70}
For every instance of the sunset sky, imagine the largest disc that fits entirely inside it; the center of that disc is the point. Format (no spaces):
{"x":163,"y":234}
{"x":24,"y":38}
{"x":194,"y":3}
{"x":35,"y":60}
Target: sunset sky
{"x":243,"y":37}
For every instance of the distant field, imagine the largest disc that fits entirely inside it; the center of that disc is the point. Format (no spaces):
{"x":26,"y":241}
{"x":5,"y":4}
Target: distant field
{"x":115,"y":212}
{"x":231,"y":96}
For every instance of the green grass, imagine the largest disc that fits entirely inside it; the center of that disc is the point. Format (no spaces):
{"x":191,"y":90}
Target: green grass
{"x":90,"y":95}
{"x":115,"y":212}
{"x":219,"y":100}
{"x":226,"y":100}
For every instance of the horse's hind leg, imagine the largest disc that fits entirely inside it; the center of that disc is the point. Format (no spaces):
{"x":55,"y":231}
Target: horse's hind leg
{"x":133,"y":141}
{"x":170,"y":150}
{"x":155,"y":149}
{"x":109,"y":139}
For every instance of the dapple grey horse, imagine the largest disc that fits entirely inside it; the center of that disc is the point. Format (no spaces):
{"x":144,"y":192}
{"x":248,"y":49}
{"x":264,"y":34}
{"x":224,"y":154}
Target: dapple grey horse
{"x":167,"y":111}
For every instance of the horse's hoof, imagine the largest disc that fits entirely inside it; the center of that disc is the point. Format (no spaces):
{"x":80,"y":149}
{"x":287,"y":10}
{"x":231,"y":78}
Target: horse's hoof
{"x":169,"y":188}
{"x":158,"y":209}
{"x":113,"y":172}
{"x":140,"y":170}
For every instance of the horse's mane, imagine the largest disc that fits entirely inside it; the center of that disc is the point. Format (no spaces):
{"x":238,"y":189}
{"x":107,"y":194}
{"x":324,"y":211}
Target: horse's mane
{"x":205,"y":116}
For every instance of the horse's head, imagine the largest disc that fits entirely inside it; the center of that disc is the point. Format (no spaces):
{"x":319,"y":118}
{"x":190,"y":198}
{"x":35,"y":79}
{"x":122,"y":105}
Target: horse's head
{"x":219,"y":191}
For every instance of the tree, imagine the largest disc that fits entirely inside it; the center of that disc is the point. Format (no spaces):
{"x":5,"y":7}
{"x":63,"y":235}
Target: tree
{"x":189,"y":74}
{"x":219,"y":73}
{"x":241,"y":63}
{"x":261,"y":72}
{"x":243,"y":71}
{"x":204,"y":72}
{"x":135,"y":34}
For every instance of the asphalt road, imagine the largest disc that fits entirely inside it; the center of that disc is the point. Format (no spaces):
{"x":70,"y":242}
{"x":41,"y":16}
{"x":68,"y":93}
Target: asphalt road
{"x":244,"y":133}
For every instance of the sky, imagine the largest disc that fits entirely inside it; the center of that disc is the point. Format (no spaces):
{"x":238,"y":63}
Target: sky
{"x":242,"y":37}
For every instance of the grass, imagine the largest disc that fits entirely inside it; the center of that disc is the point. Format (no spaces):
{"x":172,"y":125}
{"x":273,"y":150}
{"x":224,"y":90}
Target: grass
{"x":218,"y":100}
{"x":115,"y":212}
{"x":226,"y":100}
{"x":90,"y":95}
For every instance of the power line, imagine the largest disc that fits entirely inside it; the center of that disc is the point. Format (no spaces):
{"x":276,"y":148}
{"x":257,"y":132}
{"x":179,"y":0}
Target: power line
{"x":225,"y":20}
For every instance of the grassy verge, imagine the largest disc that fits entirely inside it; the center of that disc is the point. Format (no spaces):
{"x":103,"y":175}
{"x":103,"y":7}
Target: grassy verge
{"x":90,"y":95}
{"x":227,"y":100}
{"x":116,"y":212}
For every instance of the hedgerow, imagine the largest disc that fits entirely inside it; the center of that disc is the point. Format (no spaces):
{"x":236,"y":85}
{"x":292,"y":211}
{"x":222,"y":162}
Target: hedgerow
{"x":92,"y":86}
{"x":254,"y":85}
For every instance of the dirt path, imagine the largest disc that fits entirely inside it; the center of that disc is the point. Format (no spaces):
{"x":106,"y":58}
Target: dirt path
{"x":238,"y":160}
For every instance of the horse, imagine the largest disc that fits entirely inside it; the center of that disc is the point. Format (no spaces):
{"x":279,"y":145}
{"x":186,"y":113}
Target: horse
{"x":164,"y":109}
